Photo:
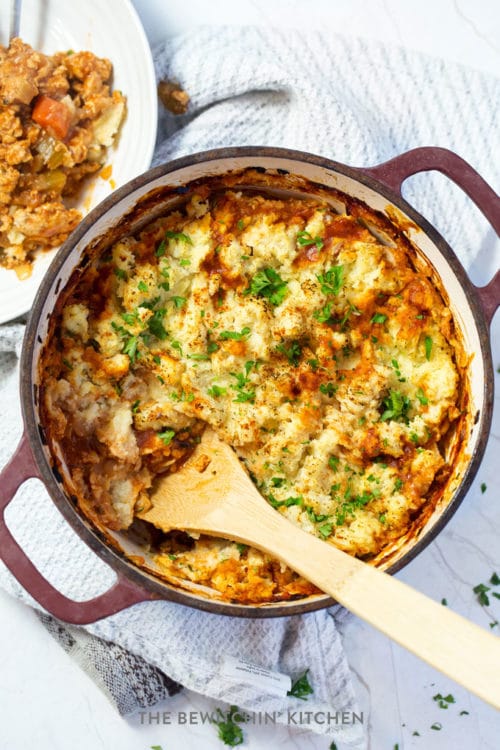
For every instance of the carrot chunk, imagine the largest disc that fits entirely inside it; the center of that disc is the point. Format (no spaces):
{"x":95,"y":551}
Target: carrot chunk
{"x":52,"y":115}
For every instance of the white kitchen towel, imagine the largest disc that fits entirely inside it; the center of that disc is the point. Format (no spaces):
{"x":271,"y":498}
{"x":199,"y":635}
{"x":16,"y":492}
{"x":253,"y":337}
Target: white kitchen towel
{"x":356,"y":101}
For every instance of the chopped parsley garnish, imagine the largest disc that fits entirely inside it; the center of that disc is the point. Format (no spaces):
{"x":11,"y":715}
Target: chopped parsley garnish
{"x":379,"y":318}
{"x":155,"y":325}
{"x":304,"y":239}
{"x":200,"y":357}
{"x":326,"y":529}
{"x":228,"y":727}
{"x":178,"y":236}
{"x":422,"y":397}
{"x":333,"y":463}
{"x":166,"y":436}
{"x":324,"y":314}
{"x":241,"y":547}
{"x":120,"y":273}
{"x":398,"y":483}
{"x":183,"y":397}
{"x":142,"y":286}
{"x":328,"y":389}
{"x":212,"y":347}
{"x":177,"y":346}
{"x":313,"y":364}
{"x":301,"y":688}
{"x":443,"y":700}
{"x":161,"y":249}
{"x":278,"y":481}
{"x":178,"y":301}
{"x":234,"y":335}
{"x":241,"y":381}
{"x":130,"y":318}
{"x":240,"y":224}
{"x":135,"y":406}
{"x":130,"y":342}
{"x":269,"y":284}
{"x":184,"y":262}
{"x":397,"y":370}
{"x":292,"y":352}
{"x":428,"y":347}
{"x":331,"y":280}
{"x":382,"y":518}
{"x":67,"y":363}
{"x":216,"y":391}
{"x":396,"y":406}
{"x":285,"y":503}
{"x":315,"y":517}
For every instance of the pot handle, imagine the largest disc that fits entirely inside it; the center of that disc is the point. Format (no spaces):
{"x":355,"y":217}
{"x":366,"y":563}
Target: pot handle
{"x":122,"y":594}
{"x":394,"y":172}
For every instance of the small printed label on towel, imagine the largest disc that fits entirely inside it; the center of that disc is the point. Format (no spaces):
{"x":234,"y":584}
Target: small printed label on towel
{"x":252,"y":674}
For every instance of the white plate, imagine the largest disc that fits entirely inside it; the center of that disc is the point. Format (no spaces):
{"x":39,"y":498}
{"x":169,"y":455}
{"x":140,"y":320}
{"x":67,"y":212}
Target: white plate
{"x":109,"y":29}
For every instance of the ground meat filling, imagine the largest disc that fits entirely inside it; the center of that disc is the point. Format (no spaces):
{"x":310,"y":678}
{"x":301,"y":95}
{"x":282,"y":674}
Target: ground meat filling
{"x":308,"y":341}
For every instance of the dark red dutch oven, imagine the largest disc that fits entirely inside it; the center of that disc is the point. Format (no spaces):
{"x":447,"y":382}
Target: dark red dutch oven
{"x":380,"y":188}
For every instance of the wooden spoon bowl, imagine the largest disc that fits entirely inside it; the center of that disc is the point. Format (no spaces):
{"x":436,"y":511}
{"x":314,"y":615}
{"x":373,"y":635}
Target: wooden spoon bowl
{"x":212,"y":494}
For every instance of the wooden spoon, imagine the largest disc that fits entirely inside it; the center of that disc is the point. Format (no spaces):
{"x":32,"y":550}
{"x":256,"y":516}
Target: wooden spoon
{"x":213,"y":494}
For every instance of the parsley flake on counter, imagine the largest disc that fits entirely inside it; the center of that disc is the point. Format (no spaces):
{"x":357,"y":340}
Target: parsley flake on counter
{"x":464,"y":713}
{"x":482,"y":596}
{"x":437,"y":726}
{"x":483,"y":487}
{"x":301,"y":688}
{"x":443,"y":701}
{"x":495,"y":579}
{"x":444,"y":602}
{"x":304,"y":239}
{"x":229,"y":730}
{"x":269,"y":284}
{"x":166,"y":436}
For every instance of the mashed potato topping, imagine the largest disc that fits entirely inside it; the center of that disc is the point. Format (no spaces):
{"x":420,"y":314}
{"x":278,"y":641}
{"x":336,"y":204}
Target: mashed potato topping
{"x":57,"y":118}
{"x":310,"y":343}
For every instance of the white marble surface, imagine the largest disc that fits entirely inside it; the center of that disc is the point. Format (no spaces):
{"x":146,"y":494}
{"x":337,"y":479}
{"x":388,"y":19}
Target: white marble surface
{"x":48,"y":703}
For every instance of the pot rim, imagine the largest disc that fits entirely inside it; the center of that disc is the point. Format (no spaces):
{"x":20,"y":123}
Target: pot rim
{"x":152,"y":585}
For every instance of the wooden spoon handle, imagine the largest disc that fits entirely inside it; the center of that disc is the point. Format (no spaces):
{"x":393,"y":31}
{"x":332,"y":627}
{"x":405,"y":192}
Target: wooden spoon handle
{"x":460,"y":649}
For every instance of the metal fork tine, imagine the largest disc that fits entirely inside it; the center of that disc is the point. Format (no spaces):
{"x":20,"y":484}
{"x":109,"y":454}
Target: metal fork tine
{"x":15,"y":18}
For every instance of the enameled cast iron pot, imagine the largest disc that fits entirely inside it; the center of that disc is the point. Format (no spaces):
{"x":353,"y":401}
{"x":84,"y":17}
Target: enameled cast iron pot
{"x":380,"y":188}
